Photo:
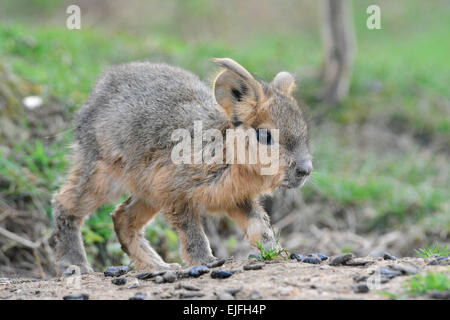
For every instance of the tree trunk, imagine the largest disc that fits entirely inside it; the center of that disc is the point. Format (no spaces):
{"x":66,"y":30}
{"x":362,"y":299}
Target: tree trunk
{"x":338,"y":49}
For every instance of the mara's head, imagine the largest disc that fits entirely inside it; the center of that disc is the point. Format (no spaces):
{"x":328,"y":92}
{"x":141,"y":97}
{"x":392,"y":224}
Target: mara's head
{"x":274,"y":114}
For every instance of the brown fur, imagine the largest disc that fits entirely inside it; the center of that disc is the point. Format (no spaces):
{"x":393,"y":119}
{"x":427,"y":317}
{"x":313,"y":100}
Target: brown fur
{"x":122,"y":146}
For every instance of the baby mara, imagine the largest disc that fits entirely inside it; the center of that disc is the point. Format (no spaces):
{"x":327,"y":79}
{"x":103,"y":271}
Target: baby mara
{"x":123,"y":145}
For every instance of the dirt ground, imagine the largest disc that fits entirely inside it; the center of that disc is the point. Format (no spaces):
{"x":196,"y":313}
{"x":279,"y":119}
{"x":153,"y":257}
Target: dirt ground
{"x":279,"y":279}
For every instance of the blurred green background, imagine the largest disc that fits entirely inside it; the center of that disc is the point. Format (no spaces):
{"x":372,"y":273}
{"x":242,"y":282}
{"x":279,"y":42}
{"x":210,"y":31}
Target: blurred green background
{"x":381,"y":179}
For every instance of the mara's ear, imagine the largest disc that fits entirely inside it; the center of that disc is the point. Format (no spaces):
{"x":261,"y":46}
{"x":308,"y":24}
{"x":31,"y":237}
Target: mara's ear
{"x":236,"y":91}
{"x":284,"y":82}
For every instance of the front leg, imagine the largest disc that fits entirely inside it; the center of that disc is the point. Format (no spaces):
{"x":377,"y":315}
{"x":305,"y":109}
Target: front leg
{"x":194,"y":245}
{"x":255,"y":223}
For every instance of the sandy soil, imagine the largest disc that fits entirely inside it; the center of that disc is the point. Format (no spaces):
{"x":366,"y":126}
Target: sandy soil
{"x":280,"y":279}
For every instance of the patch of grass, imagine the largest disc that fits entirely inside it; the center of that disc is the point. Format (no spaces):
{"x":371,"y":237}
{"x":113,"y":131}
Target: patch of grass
{"x":421,"y":284}
{"x":387,"y":294}
{"x":99,"y":227}
{"x":398,"y":186}
{"x":347,"y":249}
{"x":62,"y":63}
{"x":231,"y":243}
{"x":31,"y":169}
{"x":399,"y":83}
{"x":432,"y":250}
{"x":267,"y":254}
{"x":272,"y":254}
{"x":66,"y":63}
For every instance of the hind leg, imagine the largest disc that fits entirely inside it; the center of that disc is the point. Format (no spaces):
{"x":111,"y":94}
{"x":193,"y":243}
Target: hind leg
{"x":129,"y":219}
{"x":77,"y":198}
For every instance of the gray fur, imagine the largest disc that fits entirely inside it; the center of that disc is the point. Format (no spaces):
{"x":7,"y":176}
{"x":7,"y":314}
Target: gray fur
{"x":126,"y":125}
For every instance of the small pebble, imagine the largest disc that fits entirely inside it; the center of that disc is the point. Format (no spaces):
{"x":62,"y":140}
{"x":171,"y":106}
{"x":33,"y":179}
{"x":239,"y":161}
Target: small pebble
{"x":149,"y":275}
{"x":134,"y":285}
{"x":440,"y":295}
{"x":32,"y":102}
{"x":159,"y":279}
{"x":254,"y":256}
{"x":254,"y":266}
{"x":116,"y":271}
{"x":238,"y":270}
{"x":169,"y":276}
{"x":388,"y":273}
{"x":405,"y":269}
{"x":320,"y":256}
{"x":388,"y":256}
{"x":440,"y":261}
{"x":357,"y":262}
{"x":187,"y":295}
{"x":139,"y":296}
{"x":119,"y":281}
{"x":216,"y":263}
{"x":144,"y":276}
{"x":361,"y":288}
{"x":71,"y":270}
{"x":67,"y":273}
{"x":296,"y":256}
{"x":166,"y":295}
{"x":181,"y":274}
{"x":188,"y":287}
{"x":197,"y":271}
{"x":234,"y":290}
{"x":360,"y":278}
{"x":220,"y":274}
{"x":255,"y":295}
{"x":224,"y":296}
{"x":340,"y":259}
{"x":82,"y":296}
{"x":311,"y":260}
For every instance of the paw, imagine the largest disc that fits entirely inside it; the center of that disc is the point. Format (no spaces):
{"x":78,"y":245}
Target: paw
{"x":174,"y":266}
{"x":67,"y":269}
{"x":160,"y":267}
{"x":204,"y":261}
{"x":216,"y":263}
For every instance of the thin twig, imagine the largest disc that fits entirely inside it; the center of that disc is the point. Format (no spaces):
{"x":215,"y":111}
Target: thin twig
{"x":286,"y":220}
{"x":24,"y":242}
{"x":38,"y":203}
{"x":51,"y":257}
{"x":37,"y":261}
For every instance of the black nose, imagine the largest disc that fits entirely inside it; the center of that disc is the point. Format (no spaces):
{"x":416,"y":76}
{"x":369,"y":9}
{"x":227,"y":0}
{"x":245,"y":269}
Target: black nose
{"x":303,"y":168}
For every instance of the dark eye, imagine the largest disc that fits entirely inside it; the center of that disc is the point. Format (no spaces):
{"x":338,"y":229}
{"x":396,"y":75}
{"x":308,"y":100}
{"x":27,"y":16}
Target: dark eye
{"x":263,"y":136}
